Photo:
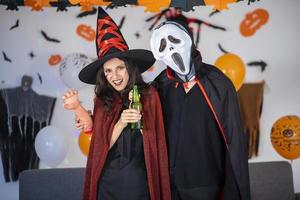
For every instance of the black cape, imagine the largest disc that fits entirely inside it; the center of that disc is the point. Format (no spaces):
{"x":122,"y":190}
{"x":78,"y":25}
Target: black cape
{"x":222,"y":96}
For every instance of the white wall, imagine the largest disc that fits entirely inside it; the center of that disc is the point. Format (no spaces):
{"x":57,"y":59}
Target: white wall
{"x":276,"y":43}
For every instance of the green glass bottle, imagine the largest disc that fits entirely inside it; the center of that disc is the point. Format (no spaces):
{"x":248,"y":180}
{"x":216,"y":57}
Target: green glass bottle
{"x":136,"y":104}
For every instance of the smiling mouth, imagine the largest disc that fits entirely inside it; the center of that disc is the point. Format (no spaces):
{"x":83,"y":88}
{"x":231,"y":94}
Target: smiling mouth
{"x":118,"y":82}
{"x":178,"y":61}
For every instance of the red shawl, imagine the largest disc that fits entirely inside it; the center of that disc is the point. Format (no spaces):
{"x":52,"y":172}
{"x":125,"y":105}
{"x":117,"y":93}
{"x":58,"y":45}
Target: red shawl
{"x":155,"y":149}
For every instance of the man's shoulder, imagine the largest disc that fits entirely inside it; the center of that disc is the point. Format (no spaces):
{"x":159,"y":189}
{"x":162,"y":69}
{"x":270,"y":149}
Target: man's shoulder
{"x":212,"y":75}
{"x":161,"y":80}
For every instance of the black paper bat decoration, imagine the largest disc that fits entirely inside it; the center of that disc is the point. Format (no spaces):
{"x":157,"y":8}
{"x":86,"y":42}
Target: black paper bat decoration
{"x":260,"y":63}
{"x":61,"y":5}
{"x":186,"y":5}
{"x":86,"y":13}
{"x":118,"y":3}
{"x":137,"y":35}
{"x":40,"y":78}
{"x":121,"y":22}
{"x":49,"y":38}
{"x":222,"y":49}
{"x":15,"y":26}
{"x":7,"y":59}
{"x":213,"y":13}
{"x":32,"y":55}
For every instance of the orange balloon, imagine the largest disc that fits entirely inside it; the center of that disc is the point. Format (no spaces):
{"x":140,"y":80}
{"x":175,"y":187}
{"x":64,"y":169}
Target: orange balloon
{"x":285,"y":136}
{"x":84,"y":141}
{"x":233,"y":67}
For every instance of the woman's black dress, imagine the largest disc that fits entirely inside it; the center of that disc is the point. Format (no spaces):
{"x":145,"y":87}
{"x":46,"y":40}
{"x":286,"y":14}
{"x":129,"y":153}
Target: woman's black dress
{"x":124,"y":175}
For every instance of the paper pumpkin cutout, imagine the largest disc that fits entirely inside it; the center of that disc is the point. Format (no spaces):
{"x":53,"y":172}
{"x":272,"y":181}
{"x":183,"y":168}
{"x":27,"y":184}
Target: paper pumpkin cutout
{"x":253,"y":21}
{"x":86,"y":32}
{"x":54,"y":59}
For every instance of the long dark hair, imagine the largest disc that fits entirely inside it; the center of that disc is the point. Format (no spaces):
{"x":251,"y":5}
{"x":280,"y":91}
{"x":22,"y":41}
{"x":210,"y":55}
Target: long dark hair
{"x":107,"y":93}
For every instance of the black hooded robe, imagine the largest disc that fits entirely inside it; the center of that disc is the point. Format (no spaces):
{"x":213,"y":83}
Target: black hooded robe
{"x":206,"y":145}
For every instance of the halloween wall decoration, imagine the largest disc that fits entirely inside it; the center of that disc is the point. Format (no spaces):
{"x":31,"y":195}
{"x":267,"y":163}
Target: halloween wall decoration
{"x":176,"y":14}
{"x":70,"y":67}
{"x":49,"y":39}
{"x":54,"y":59}
{"x":31,"y":55}
{"x":250,"y":97}
{"x":40,"y":78}
{"x":6,"y":58}
{"x":219,"y":4}
{"x":23,"y":114}
{"x":285,"y":136}
{"x":234,"y":68}
{"x":186,"y":5}
{"x":253,"y":21}
{"x":154,"y":7}
{"x":51,"y":146}
{"x":121,"y":22}
{"x":87,"y":5}
{"x":86,"y":32}
{"x":262,"y":64}
{"x":16,"y":25}
{"x":87,"y":13}
{"x":84,"y":141}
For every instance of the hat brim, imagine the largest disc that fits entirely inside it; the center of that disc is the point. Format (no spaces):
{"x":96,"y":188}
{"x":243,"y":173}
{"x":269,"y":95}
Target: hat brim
{"x":144,"y":59}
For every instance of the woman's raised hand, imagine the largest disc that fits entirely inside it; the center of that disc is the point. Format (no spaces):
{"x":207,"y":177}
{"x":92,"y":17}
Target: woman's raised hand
{"x":71,"y":100}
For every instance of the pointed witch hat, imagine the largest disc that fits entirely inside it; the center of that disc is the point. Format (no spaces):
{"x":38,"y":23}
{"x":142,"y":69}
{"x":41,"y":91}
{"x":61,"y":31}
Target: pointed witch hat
{"x":111,"y":44}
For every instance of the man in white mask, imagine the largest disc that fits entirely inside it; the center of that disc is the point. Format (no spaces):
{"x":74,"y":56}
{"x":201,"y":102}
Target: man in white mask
{"x":206,"y":144}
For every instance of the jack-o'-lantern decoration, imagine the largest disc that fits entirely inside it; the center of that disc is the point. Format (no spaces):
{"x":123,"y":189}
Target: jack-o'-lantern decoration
{"x":219,"y":4}
{"x":156,"y":6}
{"x":253,"y":21}
{"x":54,"y":59}
{"x":84,"y":141}
{"x":233,"y":67}
{"x":86,"y":32}
{"x":285,"y":136}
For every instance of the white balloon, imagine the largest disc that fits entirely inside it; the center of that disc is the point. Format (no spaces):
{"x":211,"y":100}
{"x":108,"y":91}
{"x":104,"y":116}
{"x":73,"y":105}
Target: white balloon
{"x":51,"y":146}
{"x":70,"y":67}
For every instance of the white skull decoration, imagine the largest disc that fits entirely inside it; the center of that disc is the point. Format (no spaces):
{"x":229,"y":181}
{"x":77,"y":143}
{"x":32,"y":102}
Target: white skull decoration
{"x":171,"y":44}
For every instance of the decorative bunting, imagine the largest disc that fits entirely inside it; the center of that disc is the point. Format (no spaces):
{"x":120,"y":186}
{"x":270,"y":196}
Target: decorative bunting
{"x":88,"y":5}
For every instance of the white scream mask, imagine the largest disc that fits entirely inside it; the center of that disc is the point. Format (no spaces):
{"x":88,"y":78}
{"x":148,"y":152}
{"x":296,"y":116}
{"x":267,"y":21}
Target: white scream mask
{"x":171,"y":44}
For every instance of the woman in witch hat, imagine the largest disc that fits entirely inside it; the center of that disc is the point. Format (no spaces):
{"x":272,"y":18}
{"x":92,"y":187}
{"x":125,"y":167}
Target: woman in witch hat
{"x":123,"y":163}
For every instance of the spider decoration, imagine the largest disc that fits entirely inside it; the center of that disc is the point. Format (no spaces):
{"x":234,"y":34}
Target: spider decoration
{"x":176,"y":14}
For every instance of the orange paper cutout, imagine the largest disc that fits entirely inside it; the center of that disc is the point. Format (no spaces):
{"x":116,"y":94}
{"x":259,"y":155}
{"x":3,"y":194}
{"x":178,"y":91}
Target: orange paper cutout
{"x":86,"y":32}
{"x":156,"y":6}
{"x":219,"y":4}
{"x":253,"y":21}
{"x":54,"y":59}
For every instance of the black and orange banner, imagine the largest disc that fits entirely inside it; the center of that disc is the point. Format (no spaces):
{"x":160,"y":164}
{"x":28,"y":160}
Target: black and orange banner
{"x":150,"y":5}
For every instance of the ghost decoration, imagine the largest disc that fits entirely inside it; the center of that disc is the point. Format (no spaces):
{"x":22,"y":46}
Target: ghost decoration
{"x":70,"y":67}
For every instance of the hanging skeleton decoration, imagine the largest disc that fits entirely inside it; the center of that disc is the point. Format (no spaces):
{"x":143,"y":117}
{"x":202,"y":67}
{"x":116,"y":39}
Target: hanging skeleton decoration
{"x":23,"y":113}
{"x":171,"y":44}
